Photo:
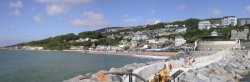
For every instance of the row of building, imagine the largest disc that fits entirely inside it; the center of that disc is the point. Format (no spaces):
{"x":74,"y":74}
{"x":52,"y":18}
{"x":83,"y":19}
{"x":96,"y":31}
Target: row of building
{"x":225,"y":21}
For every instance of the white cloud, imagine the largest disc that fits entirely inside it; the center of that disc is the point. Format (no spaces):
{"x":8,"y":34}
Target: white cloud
{"x":216,"y":12}
{"x":16,"y":13}
{"x":92,"y":19}
{"x":38,"y":20}
{"x":56,"y":7}
{"x":181,"y":7}
{"x":55,"y":10}
{"x":152,"y":21}
{"x":247,"y":9}
{"x":17,"y":4}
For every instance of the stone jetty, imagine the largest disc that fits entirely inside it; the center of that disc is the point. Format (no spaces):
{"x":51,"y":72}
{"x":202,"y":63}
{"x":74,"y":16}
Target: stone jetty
{"x":223,"y":66}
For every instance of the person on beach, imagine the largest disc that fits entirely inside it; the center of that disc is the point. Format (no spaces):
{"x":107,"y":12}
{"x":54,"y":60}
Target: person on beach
{"x":185,"y":61}
{"x":166,"y":64}
{"x":191,"y":61}
{"x":170,"y":67}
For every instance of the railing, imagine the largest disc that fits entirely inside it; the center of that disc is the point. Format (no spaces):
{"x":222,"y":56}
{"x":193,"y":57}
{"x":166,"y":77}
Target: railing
{"x":175,"y":76}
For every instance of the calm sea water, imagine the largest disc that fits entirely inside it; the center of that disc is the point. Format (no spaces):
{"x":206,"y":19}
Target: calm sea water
{"x":42,"y":66}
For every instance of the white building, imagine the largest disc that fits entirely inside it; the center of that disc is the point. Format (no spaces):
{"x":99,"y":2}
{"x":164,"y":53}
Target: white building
{"x":163,"y":40}
{"x":229,"y":20}
{"x":179,"y":40}
{"x":82,"y":39}
{"x":32,"y":48}
{"x":214,"y":33}
{"x":215,"y":25}
{"x":93,"y":40}
{"x":244,"y":21}
{"x":204,"y":25}
{"x":76,"y":48}
{"x":140,"y":36}
{"x":107,"y":48}
{"x":154,"y":45}
{"x":239,"y":34}
{"x":182,"y":30}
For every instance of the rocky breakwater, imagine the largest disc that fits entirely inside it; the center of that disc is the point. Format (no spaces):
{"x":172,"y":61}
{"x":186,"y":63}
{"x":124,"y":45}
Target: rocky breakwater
{"x":104,"y":76}
{"x":231,"y":69}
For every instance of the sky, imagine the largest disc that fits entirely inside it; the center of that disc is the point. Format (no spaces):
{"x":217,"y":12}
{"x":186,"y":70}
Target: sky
{"x":28,"y":20}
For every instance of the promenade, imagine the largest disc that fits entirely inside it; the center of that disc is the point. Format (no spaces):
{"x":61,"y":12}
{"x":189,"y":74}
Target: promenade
{"x":149,"y":71}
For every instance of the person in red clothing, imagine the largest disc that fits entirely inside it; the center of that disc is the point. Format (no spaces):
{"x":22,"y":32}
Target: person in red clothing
{"x":170,"y":67}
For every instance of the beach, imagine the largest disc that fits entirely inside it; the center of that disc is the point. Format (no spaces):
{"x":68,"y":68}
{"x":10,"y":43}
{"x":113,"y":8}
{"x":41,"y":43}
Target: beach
{"x":133,"y":53}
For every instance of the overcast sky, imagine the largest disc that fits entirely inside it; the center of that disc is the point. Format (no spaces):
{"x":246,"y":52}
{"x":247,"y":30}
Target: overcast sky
{"x":27,"y":20}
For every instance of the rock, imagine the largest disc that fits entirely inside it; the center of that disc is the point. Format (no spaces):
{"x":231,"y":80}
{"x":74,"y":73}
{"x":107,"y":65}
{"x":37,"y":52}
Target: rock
{"x":203,"y":77}
{"x":238,"y":77}
{"x":114,"y":70}
{"x":101,"y":77}
{"x":241,"y":72}
{"x":75,"y":79}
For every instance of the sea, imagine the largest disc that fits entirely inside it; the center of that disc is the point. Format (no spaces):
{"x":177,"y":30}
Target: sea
{"x":56,"y":66}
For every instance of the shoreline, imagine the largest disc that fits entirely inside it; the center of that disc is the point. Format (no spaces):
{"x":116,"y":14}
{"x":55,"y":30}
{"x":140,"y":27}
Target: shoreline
{"x":125,"y":53}
{"x":150,"y":55}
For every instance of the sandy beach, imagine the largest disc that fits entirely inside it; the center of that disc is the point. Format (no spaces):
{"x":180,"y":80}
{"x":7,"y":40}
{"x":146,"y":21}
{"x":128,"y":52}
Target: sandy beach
{"x":134,"y":53}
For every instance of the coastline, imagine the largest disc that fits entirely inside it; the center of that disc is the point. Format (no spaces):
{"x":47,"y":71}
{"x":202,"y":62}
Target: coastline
{"x":126,"y":53}
{"x":150,"y":55}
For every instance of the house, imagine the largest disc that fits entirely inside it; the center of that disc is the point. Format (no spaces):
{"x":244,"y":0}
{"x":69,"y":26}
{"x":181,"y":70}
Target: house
{"x":140,"y":36}
{"x":82,"y":40}
{"x":76,"y":48}
{"x":125,"y":42}
{"x":229,"y":20}
{"x":189,"y":47}
{"x":181,"y":30}
{"x":179,"y":40}
{"x":239,"y":34}
{"x":244,"y":21}
{"x":93,"y":40}
{"x":32,"y":48}
{"x":161,"y":33}
{"x":205,"y":24}
{"x":163,"y":40}
{"x":215,"y":25}
{"x":133,"y":43}
{"x":214,"y":33}
{"x":107,"y":48}
{"x":111,"y":36}
{"x":153,"y":45}
{"x":127,"y":37}
{"x":114,"y":29}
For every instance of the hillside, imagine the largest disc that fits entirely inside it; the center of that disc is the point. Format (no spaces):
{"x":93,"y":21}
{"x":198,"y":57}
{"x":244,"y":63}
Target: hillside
{"x":102,"y":36}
